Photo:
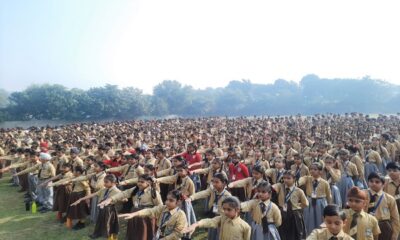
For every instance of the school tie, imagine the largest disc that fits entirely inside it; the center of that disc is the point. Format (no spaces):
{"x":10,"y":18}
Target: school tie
{"x":372,"y":200}
{"x":287,"y":193}
{"x":353,"y":226}
{"x":106,"y":194}
{"x":314,"y":185}
{"x":166,"y":216}
{"x":264,"y":220}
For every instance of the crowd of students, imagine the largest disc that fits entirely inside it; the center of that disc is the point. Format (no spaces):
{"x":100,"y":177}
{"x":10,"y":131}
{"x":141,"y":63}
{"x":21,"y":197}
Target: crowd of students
{"x":327,"y":177}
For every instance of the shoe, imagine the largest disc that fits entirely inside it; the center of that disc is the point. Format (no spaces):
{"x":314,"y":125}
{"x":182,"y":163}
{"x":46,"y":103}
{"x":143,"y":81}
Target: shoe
{"x":79,"y":226}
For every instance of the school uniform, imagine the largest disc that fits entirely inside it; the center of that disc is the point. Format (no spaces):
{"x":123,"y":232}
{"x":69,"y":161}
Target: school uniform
{"x":319,"y":195}
{"x":275,"y":175}
{"x":107,"y":223}
{"x":170,"y":224}
{"x":361,"y":226}
{"x":393,"y":190}
{"x":249,"y":184}
{"x":229,"y":229}
{"x":77,"y":162}
{"x":62,"y":194}
{"x":360,"y":181}
{"x":237,"y":172}
{"x":300,"y":171}
{"x":349,"y":171}
{"x":266,"y":218}
{"x":372,"y":162}
{"x":165,"y":187}
{"x":96,"y":182}
{"x":31,"y":172}
{"x":162,"y":165}
{"x":80,"y":189}
{"x":384,"y":208}
{"x":291,"y":202}
{"x":333,"y":176}
{"x":128,"y":171}
{"x":186,"y":186}
{"x":214,"y":206}
{"x":324,"y":234}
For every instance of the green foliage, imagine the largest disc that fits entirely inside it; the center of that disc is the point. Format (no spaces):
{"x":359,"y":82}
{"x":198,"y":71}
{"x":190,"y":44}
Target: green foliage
{"x":311,"y":95}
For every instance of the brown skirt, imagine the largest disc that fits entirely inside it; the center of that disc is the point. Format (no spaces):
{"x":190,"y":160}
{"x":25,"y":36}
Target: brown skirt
{"x":61,"y":197}
{"x":140,"y":228}
{"x":79,"y":211}
{"x":386,"y":230}
{"x":107,"y":222}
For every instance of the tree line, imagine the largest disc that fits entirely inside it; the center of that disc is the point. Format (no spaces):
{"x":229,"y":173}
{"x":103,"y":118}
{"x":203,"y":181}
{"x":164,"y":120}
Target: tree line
{"x":311,"y":95}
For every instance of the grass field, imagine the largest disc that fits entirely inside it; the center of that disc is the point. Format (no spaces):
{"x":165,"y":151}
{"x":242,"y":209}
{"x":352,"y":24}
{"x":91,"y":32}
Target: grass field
{"x":18,"y":224}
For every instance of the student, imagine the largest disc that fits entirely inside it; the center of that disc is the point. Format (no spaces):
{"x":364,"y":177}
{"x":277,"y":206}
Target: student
{"x":46,"y":170}
{"x":62,"y":192}
{"x":291,"y":202}
{"x":215,"y":167}
{"x":360,"y":225}
{"x":299,"y":168}
{"x":276,"y":174}
{"x":392,"y":185}
{"x":265,"y":215}
{"x":80,"y":189}
{"x":183,"y":183}
{"x":215,"y":195}
{"x":170,"y":219}
{"x":96,"y":182}
{"x":251,"y":183}
{"x":107,"y":224}
{"x":318,"y":194}
{"x":334,"y":220}
{"x":349,"y":174}
{"x":164,"y":187}
{"x":230,"y":225}
{"x":331,"y":173}
{"x":143,"y":196}
{"x":238,"y":171}
{"x":383,"y":207}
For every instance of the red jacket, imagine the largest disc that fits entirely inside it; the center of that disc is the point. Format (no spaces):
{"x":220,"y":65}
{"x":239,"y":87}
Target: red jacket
{"x":238,"y":172}
{"x":192,"y":158}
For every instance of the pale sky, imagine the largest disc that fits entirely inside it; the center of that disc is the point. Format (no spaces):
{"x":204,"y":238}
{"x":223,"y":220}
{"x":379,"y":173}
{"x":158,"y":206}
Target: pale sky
{"x":200,"y":43}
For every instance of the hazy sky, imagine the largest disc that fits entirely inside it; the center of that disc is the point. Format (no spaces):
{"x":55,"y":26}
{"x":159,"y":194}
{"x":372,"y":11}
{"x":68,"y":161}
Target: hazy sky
{"x":85,"y":43}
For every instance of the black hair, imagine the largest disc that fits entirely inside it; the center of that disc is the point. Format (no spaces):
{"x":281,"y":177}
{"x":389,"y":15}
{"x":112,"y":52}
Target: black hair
{"x":68,"y":165}
{"x":222,"y":177}
{"x":111,"y":178}
{"x":289,"y":173}
{"x":79,"y":169}
{"x":334,"y":210}
{"x":232,"y":202}
{"x":393,"y":165}
{"x":318,"y":165}
{"x":260,"y":169}
{"x":101,"y":165}
{"x":265,"y":186}
{"x":150,"y":179}
{"x":175,"y":194}
{"x":181,"y":166}
{"x":373,"y":175}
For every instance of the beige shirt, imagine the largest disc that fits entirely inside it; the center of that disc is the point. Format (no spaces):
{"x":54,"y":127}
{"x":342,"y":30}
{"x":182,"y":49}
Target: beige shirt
{"x":324,"y":234}
{"x":367,"y":225}
{"x":175,"y":224}
{"x":186,"y":186}
{"x":322,"y":190}
{"x":253,"y":206}
{"x":297,"y":197}
{"x":212,"y":194}
{"x":229,"y":229}
{"x":140,"y":199}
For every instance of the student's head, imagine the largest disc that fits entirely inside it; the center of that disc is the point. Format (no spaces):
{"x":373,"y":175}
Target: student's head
{"x":144,"y":181}
{"x":99,"y":167}
{"x":393,"y":169}
{"x":219,"y":181}
{"x":279,"y":163}
{"x":288,"y":178}
{"x":297,"y":159}
{"x":66,"y":167}
{"x":45,"y":157}
{"x":178,"y":161}
{"x":344,"y":154}
{"x":236,"y":158}
{"x":231,"y":207}
{"x":334,"y":219}
{"x":356,"y":199}
{"x":216,"y":164}
{"x":258,"y":172}
{"x":149,"y":169}
{"x":375,"y":181}
{"x":174,"y":198}
{"x":110,"y":180}
{"x":182,"y":170}
{"x":210,"y":155}
{"x":74,"y":152}
{"x":132,"y":159}
{"x":329,"y":161}
{"x":315,"y":169}
{"x":264,"y":191}
{"x":78,"y":170}
{"x":90,"y":160}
